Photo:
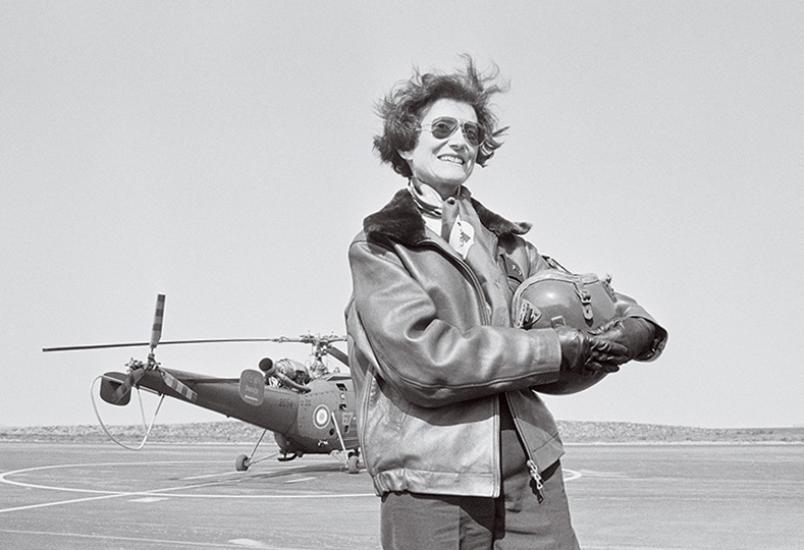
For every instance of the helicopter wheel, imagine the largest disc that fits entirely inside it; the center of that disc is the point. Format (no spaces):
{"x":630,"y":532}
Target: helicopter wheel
{"x":353,"y":464}
{"x":242,"y":463}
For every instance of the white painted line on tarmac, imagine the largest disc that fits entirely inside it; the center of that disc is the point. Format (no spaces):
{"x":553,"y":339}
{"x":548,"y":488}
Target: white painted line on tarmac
{"x":570,"y":475}
{"x":113,"y":538}
{"x":109,"y":494}
{"x":249,"y":543}
{"x":104,"y":494}
{"x":4,"y":479}
{"x":205,"y":476}
{"x":59,"y":502}
{"x":299,"y":480}
{"x":228,"y":473}
{"x":596,"y":473}
{"x":273,"y":497}
{"x":148,"y":500}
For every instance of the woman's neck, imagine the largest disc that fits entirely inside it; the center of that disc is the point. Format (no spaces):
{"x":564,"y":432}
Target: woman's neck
{"x":427,"y":190}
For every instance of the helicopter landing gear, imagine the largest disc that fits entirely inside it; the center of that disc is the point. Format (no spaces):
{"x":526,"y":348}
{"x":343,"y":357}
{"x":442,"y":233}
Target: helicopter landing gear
{"x":242,"y":462}
{"x":353,"y":463}
{"x":350,"y":458}
{"x":287,"y":457}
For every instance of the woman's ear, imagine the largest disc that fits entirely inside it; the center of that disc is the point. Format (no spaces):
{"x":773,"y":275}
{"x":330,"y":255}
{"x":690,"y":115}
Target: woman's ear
{"x":405,"y":154}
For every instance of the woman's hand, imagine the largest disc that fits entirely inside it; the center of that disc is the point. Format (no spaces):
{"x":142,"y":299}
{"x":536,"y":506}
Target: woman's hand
{"x":582,"y":353}
{"x":635,"y":333}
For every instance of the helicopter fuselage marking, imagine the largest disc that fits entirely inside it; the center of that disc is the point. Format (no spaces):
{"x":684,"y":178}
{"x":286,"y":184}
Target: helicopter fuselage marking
{"x":321,"y":416}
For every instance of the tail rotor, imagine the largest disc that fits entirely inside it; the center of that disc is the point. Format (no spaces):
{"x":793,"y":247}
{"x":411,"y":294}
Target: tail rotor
{"x":136,"y":369}
{"x":156,"y":329}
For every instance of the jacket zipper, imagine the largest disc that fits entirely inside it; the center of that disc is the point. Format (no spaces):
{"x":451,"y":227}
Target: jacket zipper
{"x":485,"y":319}
{"x":537,"y":478}
{"x":484,"y":314}
{"x":533,"y":468}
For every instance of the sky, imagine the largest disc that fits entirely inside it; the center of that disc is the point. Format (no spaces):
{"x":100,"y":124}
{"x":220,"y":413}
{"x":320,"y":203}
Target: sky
{"x":220,"y":153}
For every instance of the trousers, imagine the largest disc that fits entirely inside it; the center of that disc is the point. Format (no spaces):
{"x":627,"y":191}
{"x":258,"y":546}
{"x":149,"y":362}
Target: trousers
{"x":515,"y":520}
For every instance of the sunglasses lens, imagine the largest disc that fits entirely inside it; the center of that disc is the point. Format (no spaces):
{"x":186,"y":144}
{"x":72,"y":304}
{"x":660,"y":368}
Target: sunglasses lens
{"x":443,"y":127}
{"x":473,"y":133}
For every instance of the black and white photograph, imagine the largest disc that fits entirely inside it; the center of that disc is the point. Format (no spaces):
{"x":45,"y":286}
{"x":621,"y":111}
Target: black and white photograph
{"x":398,"y":275}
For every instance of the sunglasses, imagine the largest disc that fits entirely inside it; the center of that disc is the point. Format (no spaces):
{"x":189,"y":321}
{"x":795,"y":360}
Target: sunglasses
{"x":445,"y":126}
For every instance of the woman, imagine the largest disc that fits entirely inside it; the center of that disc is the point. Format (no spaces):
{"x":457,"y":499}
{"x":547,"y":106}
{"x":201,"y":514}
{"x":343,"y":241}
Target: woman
{"x":461,"y":450}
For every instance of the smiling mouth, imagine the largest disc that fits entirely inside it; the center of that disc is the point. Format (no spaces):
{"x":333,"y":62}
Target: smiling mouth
{"x":453,"y":159}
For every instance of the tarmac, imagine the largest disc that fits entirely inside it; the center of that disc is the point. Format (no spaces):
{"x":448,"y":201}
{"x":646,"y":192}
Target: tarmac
{"x":622,"y":497}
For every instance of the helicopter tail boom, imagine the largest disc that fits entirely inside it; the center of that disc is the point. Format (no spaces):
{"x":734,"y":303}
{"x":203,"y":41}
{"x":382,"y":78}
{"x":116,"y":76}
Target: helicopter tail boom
{"x":111,"y":382}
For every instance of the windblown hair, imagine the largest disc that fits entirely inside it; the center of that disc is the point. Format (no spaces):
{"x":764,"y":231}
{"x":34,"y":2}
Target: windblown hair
{"x":402,"y":108}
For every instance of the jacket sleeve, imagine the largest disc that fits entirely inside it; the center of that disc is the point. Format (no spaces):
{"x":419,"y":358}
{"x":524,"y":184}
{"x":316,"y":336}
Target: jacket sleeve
{"x":627,"y":307}
{"x":430,"y":362}
{"x":624,"y":305}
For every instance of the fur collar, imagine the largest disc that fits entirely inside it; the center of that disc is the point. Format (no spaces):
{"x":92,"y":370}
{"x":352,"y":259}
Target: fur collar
{"x":400,"y":221}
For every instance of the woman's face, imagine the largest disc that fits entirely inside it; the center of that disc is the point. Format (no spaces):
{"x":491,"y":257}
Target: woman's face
{"x":443,"y":164}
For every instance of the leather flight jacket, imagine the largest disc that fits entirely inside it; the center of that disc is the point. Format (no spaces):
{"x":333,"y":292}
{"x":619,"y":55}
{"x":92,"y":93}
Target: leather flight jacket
{"x":430,"y":369}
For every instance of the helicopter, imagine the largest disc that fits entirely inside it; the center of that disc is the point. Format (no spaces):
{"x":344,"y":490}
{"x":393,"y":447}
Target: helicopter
{"x":309,"y":409}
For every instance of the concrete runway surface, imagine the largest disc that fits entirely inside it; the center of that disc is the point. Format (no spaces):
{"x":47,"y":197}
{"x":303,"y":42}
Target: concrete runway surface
{"x":649,"y":497}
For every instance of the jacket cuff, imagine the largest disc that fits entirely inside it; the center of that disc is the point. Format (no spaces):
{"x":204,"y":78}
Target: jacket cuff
{"x":547,"y":355}
{"x":659,"y":339}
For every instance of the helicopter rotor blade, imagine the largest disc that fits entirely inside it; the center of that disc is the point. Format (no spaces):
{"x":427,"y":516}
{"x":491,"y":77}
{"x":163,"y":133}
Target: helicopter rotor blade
{"x":159,"y":313}
{"x":166,"y":343}
{"x":97,"y":346}
{"x":280,"y":339}
{"x":338,"y":354}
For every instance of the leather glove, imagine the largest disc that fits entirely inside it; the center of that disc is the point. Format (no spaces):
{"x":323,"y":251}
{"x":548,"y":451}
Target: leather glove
{"x":581,"y":353}
{"x":634,"y":333}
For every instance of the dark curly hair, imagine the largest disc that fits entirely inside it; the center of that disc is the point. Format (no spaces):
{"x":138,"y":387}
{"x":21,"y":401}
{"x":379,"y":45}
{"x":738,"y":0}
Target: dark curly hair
{"x":402,"y":108}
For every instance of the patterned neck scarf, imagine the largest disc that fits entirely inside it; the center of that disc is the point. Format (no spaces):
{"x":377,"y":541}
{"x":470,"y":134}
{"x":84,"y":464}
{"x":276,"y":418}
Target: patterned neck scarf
{"x":427,"y":199}
{"x":461,"y":228}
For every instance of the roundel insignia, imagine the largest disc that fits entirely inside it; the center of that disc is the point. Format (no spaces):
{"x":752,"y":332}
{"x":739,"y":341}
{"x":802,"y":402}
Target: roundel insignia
{"x":321,"y":416}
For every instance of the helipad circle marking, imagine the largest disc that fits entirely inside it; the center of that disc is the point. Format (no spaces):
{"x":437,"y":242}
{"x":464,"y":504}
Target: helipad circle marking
{"x":569,"y":475}
{"x":157,"y":492}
